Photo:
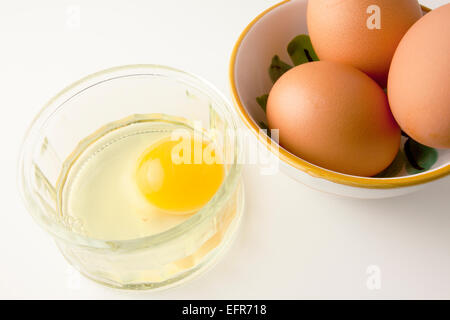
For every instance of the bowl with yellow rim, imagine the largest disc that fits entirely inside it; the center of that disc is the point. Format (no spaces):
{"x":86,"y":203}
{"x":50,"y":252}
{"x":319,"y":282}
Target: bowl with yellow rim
{"x":265,"y":41}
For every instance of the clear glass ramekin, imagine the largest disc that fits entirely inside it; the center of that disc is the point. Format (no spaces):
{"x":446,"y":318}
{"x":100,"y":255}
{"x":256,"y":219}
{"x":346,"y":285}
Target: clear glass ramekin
{"x":159,"y":260}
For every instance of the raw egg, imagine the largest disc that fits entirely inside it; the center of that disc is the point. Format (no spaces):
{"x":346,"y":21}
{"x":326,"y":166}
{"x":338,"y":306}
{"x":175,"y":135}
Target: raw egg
{"x":179,"y":177}
{"x":361,"y":33}
{"x":334,"y":116}
{"x":419,"y":80}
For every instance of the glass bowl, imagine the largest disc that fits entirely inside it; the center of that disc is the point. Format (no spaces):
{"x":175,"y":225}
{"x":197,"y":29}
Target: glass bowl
{"x":128,"y":92}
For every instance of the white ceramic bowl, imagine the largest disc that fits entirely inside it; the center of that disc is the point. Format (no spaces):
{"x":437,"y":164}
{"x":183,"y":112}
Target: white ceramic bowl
{"x":268,"y":35}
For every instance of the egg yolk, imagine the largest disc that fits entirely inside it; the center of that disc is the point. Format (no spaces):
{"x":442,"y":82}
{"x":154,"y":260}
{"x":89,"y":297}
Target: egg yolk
{"x":178,"y":177}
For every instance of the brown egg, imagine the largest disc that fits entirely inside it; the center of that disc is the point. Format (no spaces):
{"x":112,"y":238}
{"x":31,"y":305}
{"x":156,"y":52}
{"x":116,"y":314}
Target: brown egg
{"x":347,"y":31}
{"x":419,"y":80}
{"x":334,"y":116}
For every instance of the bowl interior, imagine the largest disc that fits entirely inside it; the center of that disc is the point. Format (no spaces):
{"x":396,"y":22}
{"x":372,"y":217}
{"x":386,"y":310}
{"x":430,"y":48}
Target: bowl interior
{"x":269,"y":35}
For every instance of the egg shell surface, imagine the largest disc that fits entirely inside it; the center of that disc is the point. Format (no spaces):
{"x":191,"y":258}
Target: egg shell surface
{"x":419,"y":80}
{"x":334,"y":116}
{"x":347,"y":31}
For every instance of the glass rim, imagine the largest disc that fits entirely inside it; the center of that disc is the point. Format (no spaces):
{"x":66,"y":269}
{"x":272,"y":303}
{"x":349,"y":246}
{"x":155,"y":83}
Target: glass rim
{"x":228,"y":186}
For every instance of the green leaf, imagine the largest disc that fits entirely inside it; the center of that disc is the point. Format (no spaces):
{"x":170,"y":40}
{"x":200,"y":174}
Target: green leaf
{"x":301,"y":51}
{"x":277,"y":68}
{"x":262,"y":101}
{"x":394,"y":168}
{"x":264,"y":127}
{"x":404,"y":134}
{"x":420,"y":158}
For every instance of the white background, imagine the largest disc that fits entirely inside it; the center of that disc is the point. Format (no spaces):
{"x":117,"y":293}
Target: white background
{"x":294,"y":242}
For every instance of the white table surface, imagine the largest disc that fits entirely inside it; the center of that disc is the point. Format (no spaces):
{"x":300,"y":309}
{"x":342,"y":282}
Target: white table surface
{"x":294,"y":242}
